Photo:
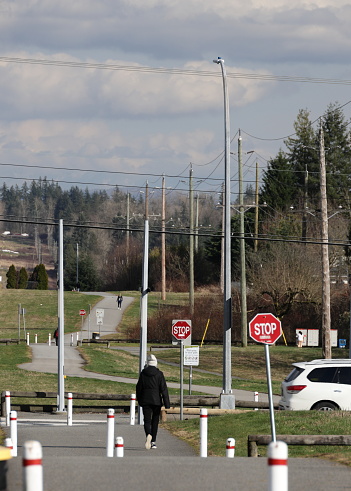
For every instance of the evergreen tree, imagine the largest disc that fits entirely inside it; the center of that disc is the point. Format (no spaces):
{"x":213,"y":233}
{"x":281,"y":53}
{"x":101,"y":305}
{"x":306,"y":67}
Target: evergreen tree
{"x":40,"y":276}
{"x":11,"y":277}
{"x":279,"y":184}
{"x":23,"y":279}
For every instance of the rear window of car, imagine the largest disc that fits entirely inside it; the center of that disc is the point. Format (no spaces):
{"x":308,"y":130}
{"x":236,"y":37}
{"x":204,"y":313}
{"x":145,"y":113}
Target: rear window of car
{"x":294,"y":374}
{"x":323,"y":375}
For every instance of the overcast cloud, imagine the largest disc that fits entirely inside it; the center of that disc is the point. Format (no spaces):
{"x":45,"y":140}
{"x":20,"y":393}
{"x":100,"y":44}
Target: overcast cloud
{"x":152,"y":122}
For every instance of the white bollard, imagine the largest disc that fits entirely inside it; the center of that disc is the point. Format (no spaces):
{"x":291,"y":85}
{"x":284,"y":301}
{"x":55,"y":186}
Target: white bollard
{"x":8,"y":444}
{"x":278,"y":466}
{"x":256,"y":399}
{"x":203,"y":432}
{"x":49,"y":339}
{"x":13,"y":432}
{"x":230,"y":448}
{"x":110,"y":432}
{"x":69,"y":409}
{"x":71,"y":339}
{"x":77,"y":338}
{"x":119,"y":446}
{"x":28,"y":338}
{"x":132,"y":409}
{"x":7,"y":407}
{"x":36,"y":338}
{"x":32,"y":466}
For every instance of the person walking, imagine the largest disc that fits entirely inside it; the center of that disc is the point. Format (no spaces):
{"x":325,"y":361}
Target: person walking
{"x":119,"y":302}
{"x":56,"y":334}
{"x":152,"y":393}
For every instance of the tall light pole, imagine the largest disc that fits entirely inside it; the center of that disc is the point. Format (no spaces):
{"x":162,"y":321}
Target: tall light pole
{"x":227,"y":396}
{"x":242,"y":248}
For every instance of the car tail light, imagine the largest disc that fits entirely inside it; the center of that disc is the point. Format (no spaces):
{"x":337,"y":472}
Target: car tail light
{"x":294,"y":389}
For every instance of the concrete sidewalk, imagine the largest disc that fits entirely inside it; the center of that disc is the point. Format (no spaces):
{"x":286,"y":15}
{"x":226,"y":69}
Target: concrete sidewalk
{"x":75,"y":458}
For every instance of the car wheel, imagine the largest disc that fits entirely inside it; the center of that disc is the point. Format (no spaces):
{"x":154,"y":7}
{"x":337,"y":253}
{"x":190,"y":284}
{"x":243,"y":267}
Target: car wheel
{"x":325,"y":406}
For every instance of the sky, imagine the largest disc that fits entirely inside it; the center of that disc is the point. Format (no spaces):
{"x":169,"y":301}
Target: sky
{"x":99,"y":93}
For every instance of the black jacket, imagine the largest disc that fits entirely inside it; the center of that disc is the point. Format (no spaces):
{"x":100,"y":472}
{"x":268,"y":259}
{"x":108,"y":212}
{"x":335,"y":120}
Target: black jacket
{"x":152,"y":389}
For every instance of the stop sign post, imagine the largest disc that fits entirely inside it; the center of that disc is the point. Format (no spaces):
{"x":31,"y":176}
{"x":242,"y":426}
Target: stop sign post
{"x":181,"y":335}
{"x":267,"y":329}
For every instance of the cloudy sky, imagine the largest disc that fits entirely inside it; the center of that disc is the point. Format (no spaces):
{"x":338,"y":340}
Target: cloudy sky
{"x":129,"y":87}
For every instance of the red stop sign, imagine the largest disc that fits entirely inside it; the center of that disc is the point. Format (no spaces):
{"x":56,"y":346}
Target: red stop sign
{"x":82,"y":312}
{"x":265,"y":328}
{"x":181,"y":329}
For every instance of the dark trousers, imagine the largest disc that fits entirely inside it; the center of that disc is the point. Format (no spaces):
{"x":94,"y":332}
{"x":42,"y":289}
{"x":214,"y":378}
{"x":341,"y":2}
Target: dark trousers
{"x":151,"y":419}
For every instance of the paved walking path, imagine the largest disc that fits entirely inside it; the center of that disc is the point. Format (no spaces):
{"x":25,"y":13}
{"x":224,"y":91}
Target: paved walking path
{"x":74,"y":457}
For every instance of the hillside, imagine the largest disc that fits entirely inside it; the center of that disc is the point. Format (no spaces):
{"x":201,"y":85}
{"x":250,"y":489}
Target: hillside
{"x":20,"y":251}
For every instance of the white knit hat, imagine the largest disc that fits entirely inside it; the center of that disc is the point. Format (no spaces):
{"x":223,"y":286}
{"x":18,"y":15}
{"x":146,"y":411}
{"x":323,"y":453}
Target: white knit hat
{"x":151,"y":361}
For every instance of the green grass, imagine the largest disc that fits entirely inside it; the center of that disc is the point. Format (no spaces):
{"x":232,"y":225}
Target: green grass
{"x":244,"y":423}
{"x":41,"y":312}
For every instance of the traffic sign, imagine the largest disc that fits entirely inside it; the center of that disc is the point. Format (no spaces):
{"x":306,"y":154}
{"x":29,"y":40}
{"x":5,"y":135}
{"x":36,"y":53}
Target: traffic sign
{"x":191,"y":355}
{"x":100,"y":312}
{"x":265,"y":328}
{"x":82,"y":312}
{"x":181,"y":331}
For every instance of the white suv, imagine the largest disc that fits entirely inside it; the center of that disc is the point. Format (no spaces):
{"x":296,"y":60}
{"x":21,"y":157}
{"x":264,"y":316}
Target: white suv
{"x":319,"y":384}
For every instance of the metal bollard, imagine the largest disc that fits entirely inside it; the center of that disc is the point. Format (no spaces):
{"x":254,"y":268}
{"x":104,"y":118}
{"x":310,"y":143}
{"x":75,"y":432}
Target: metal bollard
{"x":69,"y":409}
{"x":278,"y":466}
{"x":110,"y":432}
{"x":27,"y":338}
{"x":13,"y":432}
{"x":203,"y":432}
{"x":256,"y":399}
{"x":132,"y":409}
{"x":8,"y":444}
{"x":7,"y":407}
{"x":49,"y":339}
{"x":77,"y":338}
{"x":32,"y":466}
{"x":71,"y":339}
{"x":230,"y":448}
{"x":119,"y":446}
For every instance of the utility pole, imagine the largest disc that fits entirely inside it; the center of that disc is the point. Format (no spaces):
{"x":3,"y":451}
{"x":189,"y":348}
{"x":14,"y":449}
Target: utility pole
{"x":256,"y":211}
{"x":77,"y":270}
{"x":242,"y":248}
{"x":222,"y":242}
{"x":326,"y":344}
{"x":191,"y":242}
{"x":61,"y":329}
{"x":128,"y":219}
{"x":197,"y":222}
{"x":163,"y":242}
{"x":305,"y":206}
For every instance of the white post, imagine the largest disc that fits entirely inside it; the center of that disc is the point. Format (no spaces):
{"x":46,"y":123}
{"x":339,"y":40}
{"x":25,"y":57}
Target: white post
{"x":132,"y":409}
{"x":78,"y":336}
{"x":110,"y":432}
{"x":28,"y":338}
{"x":203,"y":432}
{"x":13,"y":431}
{"x":32,"y":466}
{"x":256,"y":399}
{"x":35,"y":338}
{"x":7,"y":407}
{"x":69,"y":409}
{"x":230,"y":448}
{"x":278,"y":466}
{"x":71,"y":339}
{"x":8,"y":444}
{"x":119,"y":446}
{"x":49,"y":338}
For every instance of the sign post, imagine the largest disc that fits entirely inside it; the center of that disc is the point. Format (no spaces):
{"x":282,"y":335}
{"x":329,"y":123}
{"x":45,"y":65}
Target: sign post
{"x":191,"y":358}
{"x":267,"y":329}
{"x":82,"y":313}
{"x":181,"y":335}
{"x":100,"y":318}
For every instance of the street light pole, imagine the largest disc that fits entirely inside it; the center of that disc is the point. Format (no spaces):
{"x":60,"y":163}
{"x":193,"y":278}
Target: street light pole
{"x":227,"y":396}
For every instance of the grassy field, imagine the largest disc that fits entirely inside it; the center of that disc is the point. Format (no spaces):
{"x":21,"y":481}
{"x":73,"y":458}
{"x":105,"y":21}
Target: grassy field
{"x":248,"y":370}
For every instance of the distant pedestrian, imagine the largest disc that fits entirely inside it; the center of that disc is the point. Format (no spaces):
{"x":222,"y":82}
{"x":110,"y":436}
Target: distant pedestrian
{"x":56,"y":332}
{"x":152,"y":393}
{"x":299,"y":339}
{"x":119,"y":302}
